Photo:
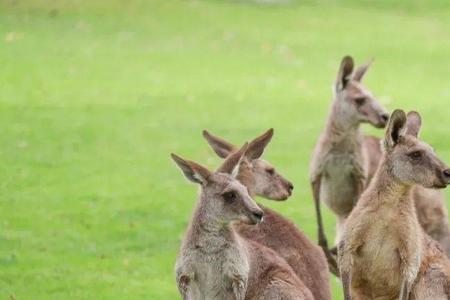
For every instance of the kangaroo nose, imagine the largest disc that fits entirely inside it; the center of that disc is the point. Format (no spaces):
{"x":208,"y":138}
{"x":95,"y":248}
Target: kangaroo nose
{"x":446,"y":174}
{"x":258,"y":215}
{"x":384,"y":117}
{"x":290,"y":186}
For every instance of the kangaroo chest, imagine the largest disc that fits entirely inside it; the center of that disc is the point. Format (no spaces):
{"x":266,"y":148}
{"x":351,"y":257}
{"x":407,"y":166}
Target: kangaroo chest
{"x":338,"y":188}
{"x":215,"y":273}
{"x":377,"y":263}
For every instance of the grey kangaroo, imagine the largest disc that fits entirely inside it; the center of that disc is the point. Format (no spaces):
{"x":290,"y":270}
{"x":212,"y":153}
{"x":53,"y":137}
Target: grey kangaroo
{"x":430,"y":203}
{"x":384,"y":253}
{"x":214,"y":261}
{"x":275,"y":231}
{"x":339,"y":163}
{"x":342,"y":148}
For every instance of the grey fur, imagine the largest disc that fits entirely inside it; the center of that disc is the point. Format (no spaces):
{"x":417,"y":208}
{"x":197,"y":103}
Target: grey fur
{"x":214,"y":262}
{"x":338,"y":166}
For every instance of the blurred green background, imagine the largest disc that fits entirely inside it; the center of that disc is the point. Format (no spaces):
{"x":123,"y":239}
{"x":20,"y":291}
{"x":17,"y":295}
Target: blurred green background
{"x":94,"y":96}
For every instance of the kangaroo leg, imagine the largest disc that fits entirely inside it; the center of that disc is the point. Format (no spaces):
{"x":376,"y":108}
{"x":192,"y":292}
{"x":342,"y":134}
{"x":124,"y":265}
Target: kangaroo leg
{"x":405,"y":290}
{"x":344,"y":271}
{"x":321,"y":232}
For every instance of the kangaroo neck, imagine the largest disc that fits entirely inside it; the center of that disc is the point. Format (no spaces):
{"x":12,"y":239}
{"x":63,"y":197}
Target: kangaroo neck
{"x":388,"y":189}
{"x":341,"y":133}
{"x":209,"y":235}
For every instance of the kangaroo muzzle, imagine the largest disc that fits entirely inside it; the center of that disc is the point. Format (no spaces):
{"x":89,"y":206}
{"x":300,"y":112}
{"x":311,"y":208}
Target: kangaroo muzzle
{"x":256,"y":216}
{"x":446,"y":176}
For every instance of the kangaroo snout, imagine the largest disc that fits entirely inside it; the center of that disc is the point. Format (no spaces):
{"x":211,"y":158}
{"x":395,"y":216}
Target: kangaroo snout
{"x":384,"y":118}
{"x":290,"y":186}
{"x":256,"y":216}
{"x":446,"y":176}
{"x":443,"y":178}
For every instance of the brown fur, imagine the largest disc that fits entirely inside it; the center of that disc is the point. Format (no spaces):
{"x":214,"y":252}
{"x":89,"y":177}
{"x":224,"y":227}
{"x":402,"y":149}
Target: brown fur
{"x":430,"y":203}
{"x":271,"y":266}
{"x":275,"y":231}
{"x":305,"y":258}
{"x":372,"y":155}
{"x":384,"y":253}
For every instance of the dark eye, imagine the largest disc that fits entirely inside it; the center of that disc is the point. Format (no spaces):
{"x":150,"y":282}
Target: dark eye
{"x":416,"y":155}
{"x":229,"y":196}
{"x":270,"y":171}
{"x":360,"y":101}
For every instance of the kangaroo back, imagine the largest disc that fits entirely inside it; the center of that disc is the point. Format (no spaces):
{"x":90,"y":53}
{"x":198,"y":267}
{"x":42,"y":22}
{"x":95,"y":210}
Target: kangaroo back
{"x":304,"y":257}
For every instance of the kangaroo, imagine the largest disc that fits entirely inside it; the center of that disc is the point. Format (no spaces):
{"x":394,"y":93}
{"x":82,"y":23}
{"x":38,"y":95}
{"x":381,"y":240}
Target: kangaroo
{"x":430,"y":203}
{"x":384,"y":253}
{"x":214,"y":261}
{"x":275,"y":231}
{"x":339,"y":162}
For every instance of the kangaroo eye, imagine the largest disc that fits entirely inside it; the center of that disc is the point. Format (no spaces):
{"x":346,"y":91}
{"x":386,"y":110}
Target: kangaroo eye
{"x":229,"y":196}
{"x":415,"y":155}
{"x":360,"y":101}
{"x":270,"y":171}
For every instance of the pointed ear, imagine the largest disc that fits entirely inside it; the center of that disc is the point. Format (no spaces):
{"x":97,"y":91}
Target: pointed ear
{"x":232,"y":162}
{"x":344,"y":73}
{"x":219,"y":145}
{"x":413,"y":123}
{"x":396,"y":128}
{"x":361,"y":71}
{"x":257,"y":146}
{"x":193,"y":171}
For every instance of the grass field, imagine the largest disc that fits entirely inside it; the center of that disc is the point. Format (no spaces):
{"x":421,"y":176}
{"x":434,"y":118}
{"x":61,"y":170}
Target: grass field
{"x":95,"y":95}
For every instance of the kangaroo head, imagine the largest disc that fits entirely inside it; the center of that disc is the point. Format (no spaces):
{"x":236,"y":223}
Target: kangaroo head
{"x":412,"y":161}
{"x":223,"y":198}
{"x":258,"y":175}
{"x":353,"y":102}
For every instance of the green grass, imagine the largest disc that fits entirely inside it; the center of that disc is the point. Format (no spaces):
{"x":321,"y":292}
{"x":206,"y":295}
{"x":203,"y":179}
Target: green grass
{"x":94,"y":96}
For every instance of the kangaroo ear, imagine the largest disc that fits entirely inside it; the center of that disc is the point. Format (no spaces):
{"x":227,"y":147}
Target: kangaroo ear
{"x":219,"y":145}
{"x":413,"y":123}
{"x":232,"y":162}
{"x":396,"y":129}
{"x":257,"y":146}
{"x":193,"y":171}
{"x":361,"y":71}
{"x":345,"y":70}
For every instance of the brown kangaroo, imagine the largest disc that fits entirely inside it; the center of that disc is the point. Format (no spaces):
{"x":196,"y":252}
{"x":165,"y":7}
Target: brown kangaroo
{"x":384,"y":253}
{"x":275,"y":231}
{"x":430,"y":203}
{"x":339,"y":162}
{"x":214,"y":261}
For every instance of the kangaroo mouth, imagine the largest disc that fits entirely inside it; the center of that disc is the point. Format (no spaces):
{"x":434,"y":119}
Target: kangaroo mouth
{"x":286,"y":196}
{"x":381,"y":121}
{"x":281,"y":197}
{"x":440,"y":185}
{"x":380,"y":125}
